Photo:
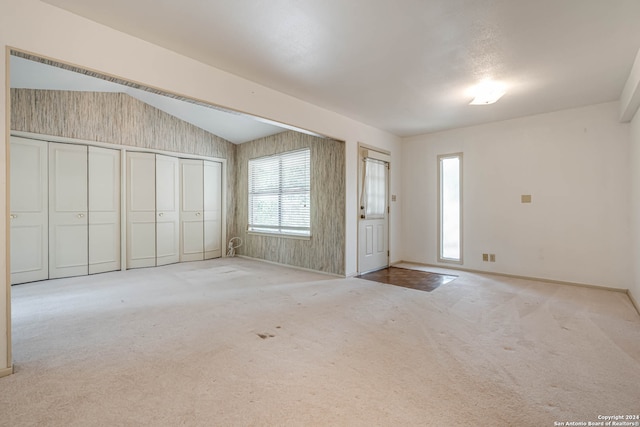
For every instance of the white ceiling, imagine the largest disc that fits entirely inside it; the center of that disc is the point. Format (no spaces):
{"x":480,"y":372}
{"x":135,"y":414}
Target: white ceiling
{"x":233,"y":127}
{"x":400,"y":65}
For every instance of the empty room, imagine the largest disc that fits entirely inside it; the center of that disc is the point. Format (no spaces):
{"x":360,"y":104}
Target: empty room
{"x":320,"y":213}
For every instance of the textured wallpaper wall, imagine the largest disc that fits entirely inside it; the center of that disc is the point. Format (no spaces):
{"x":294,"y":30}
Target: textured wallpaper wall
{"x":120,"y":119}
{"x":325,"y":250}
{"x":117,"y":118}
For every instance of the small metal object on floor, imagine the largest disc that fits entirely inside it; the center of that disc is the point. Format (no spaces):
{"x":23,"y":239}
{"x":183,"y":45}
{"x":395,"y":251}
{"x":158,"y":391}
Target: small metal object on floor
{"x":406,"y":278}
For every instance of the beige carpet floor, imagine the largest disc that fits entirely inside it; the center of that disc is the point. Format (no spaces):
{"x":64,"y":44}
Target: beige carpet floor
{"x":238,"y":342}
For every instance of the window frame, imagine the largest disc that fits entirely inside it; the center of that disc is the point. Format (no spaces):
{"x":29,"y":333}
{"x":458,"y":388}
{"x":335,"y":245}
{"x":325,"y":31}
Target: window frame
{"x":281,"y":229}
{"x":441,"y":258}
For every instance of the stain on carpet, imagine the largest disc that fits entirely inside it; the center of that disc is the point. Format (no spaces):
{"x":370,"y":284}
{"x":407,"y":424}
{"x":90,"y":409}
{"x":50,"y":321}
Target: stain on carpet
{"x":413,"y":279}
{"x":265,"y":336}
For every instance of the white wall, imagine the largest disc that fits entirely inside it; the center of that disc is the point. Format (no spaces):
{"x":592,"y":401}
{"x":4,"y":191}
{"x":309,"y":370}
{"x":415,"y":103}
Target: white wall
{"x":44,"y":30}
{"x":635,"y":201}
{"x":575,"y":165}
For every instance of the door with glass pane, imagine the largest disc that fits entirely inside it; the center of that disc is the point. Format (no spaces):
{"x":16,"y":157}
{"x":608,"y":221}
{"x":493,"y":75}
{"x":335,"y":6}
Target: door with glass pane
{"x":373,"y":226}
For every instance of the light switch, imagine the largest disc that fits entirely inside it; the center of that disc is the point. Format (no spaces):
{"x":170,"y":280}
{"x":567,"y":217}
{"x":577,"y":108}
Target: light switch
{"x":393,"y":197}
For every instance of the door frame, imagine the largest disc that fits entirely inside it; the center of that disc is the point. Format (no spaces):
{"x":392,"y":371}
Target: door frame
{"x":124,"y":149}
{"x":378,"y":154}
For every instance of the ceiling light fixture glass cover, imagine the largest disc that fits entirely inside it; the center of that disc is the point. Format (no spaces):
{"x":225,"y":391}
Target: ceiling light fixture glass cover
{"x":487,"y":92}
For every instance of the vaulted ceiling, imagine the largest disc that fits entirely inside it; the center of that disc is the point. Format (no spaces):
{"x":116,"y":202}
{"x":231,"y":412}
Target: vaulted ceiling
{"x":405,"y":66}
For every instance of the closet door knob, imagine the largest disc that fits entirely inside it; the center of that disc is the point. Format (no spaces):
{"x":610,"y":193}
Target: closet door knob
{"x":160,"y":214}
{"x":80,"y":215}
{"x":14,"y":216}
{"x":197,"y":213}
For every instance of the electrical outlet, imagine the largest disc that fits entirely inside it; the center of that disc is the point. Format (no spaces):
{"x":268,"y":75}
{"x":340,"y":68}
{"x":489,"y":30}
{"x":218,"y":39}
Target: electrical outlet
{"x":492,"y":257}
{"x":485,"y":257}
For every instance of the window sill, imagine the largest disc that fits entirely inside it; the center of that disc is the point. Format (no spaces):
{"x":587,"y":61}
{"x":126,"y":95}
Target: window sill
{"x":278,"y":235}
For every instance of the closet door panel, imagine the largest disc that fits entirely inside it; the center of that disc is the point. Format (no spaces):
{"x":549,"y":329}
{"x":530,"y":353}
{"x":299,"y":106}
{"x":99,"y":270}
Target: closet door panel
{"x":141,"y":210}
{"x":68,"y":215}
{"x":104,"y":210}
{"x":191,"y":210}
{"x":212,"y":209}
{"x":167,"y":210}
{"x":29,"y":210}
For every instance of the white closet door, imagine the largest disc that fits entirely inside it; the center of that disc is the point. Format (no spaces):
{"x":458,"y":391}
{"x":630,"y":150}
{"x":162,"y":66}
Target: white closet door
{"x":167,"y":210}
{"x":104,"y":210}
{"x":212,"y":210}
{"x":191,"y":210}
{"x":68,"y":219}
{"x":141,"y":210}
{"x":29,"y":211}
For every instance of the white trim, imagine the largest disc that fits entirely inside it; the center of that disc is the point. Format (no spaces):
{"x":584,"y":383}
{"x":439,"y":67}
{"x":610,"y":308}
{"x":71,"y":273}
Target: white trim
{"x":512,"y":276}
{"x":633,"y":300}
{"x":6,"y":371}
{"x":65,"y":140}
{"x":295,"y":267}
{"x":367,"y":153}
{"x":282,"y":235}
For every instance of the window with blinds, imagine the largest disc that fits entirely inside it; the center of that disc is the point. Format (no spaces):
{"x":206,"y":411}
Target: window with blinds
{"x":280,"y":194}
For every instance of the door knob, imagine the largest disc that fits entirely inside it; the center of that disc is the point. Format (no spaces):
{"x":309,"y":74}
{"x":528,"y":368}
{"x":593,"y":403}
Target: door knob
{"x":160,"y":214}
{"x":13,"y":216}
{"x":197,"y":213}
{"x":80,"y":215}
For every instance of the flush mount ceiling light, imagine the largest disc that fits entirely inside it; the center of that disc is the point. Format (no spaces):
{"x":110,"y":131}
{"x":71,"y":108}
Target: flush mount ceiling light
{"x":487,"y":92}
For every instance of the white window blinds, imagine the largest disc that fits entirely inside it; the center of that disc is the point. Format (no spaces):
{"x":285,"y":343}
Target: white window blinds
{"x":280,"y":193}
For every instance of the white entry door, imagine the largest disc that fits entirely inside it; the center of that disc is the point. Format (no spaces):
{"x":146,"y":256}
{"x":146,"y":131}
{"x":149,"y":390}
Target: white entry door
{"x":191,"y":210}
{"x":29,"y":211}
{"x":212,"y":210}
{"x":373,"y":226}
{"x":167,"y":210}
{"x":141,"y":210}
{"x":104,"y":210}
{"x":68,"y":211}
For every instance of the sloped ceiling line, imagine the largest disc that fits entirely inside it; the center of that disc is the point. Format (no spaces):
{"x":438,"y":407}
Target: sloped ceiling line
{"x":263,"y":127}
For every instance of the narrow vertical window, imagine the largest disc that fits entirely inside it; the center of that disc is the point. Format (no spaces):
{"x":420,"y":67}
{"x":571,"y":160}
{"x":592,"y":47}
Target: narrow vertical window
{"x":450,"y":208}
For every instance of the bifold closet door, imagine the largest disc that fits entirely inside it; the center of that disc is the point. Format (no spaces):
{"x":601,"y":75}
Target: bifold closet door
{"x":29,"y":211}
{"x":141,"y":210}
{"x":104,"y":210}
{"x":68,"y":211}
{"x":167,"y":210}
{"x":212,"y":209}
{"x":191,"y":210}
{"x":152,"y":210}
{"x":200,"y":210}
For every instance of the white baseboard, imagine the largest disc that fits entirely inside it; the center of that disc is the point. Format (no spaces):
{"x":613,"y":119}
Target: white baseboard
{"x":633,"y":301}
{"x":290,"y":266}
{"x":6,"y":372}
{"x":515,"y":276}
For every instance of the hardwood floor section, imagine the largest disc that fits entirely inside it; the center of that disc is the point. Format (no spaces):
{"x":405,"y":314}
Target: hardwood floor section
{"x":414,"y":279}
